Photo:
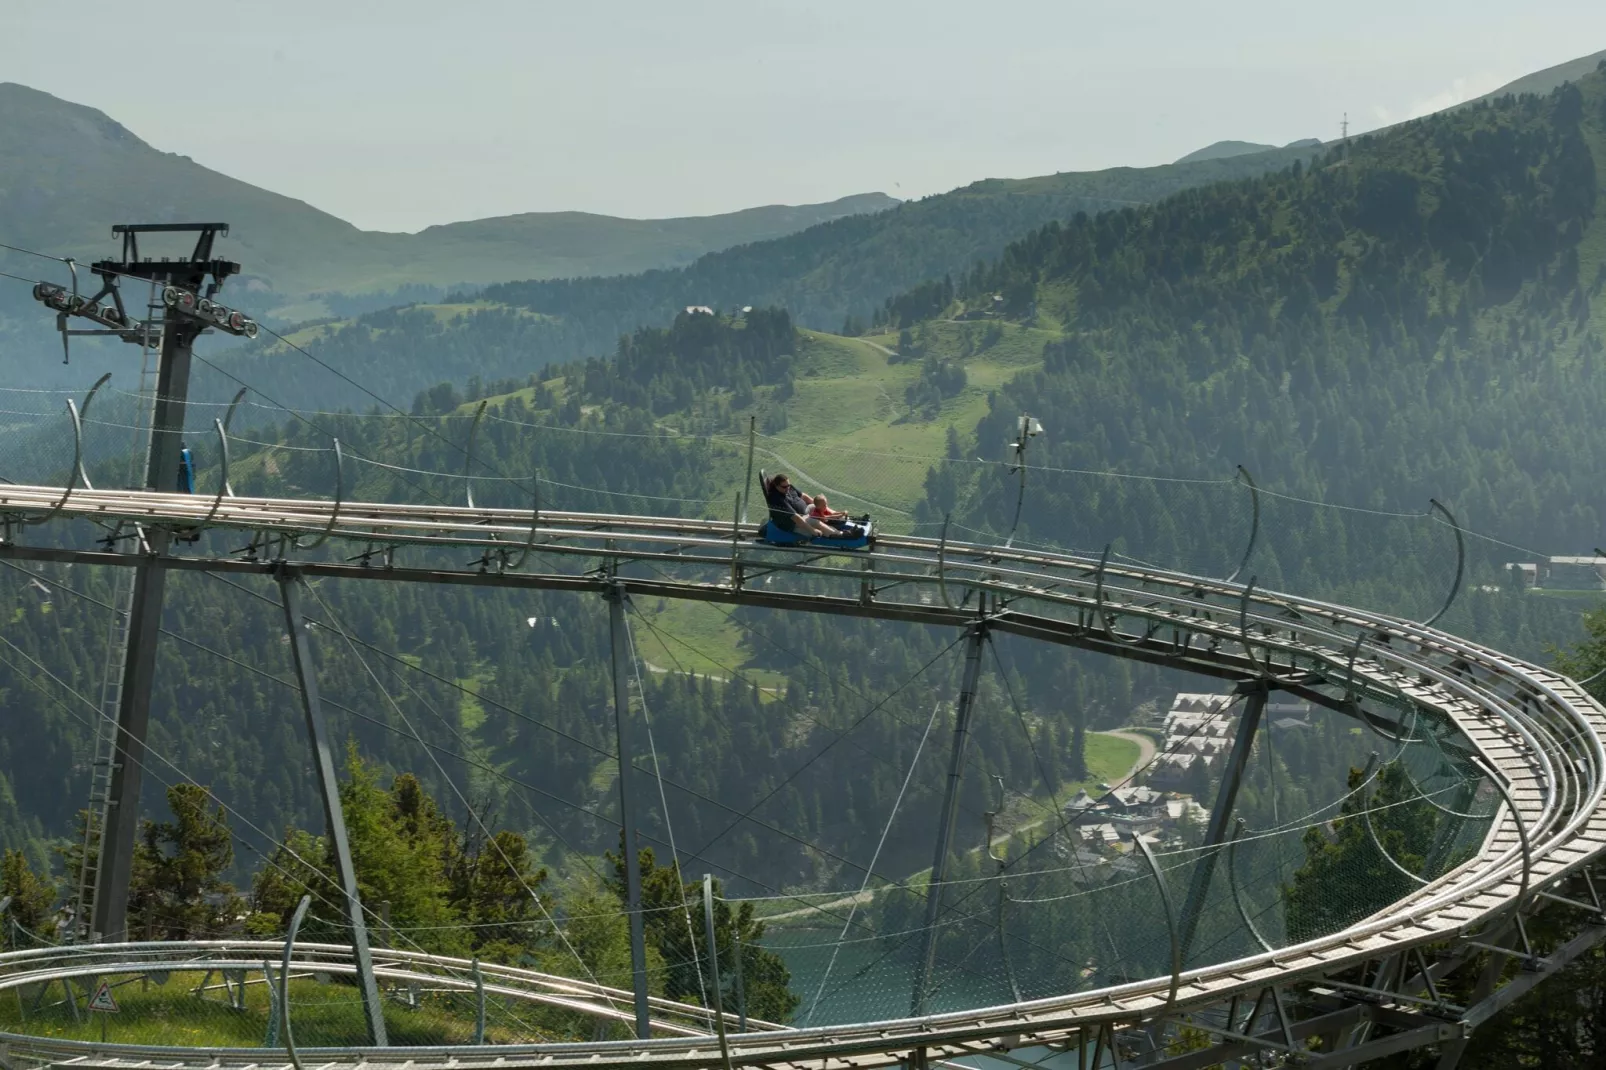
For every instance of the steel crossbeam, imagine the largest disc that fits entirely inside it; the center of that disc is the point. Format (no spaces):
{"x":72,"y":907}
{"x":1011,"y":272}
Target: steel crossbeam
{"x":1537,"y":733}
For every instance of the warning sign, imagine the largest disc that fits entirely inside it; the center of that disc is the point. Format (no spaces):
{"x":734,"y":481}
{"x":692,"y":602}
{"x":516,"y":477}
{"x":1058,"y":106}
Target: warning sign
{"x":102,"y":999}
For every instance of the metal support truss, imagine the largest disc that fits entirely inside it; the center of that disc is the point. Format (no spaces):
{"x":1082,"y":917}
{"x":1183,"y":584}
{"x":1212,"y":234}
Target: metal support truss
{"x":629,"y":856}
{"x":1221,"y":813}
{"x":950,"y":810}
{"x":329,"y":789}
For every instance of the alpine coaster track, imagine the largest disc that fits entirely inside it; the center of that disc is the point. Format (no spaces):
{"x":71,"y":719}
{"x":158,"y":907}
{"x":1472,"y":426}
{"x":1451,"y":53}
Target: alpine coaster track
{"x":1536,"y":734}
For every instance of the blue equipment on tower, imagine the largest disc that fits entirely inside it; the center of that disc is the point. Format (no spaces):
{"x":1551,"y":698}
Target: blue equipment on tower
{"x":186,"y":471}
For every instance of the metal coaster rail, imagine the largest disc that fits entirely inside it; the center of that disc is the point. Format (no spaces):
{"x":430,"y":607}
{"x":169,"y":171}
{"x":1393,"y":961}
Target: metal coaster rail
{"x":1537,"y":735}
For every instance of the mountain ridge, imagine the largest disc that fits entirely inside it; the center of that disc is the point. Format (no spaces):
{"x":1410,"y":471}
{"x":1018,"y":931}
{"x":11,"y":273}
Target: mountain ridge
{"x":77,"y":170}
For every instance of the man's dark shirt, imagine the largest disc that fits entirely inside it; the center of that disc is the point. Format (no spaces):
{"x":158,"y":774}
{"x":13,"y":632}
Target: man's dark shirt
{"x":786,"y":506}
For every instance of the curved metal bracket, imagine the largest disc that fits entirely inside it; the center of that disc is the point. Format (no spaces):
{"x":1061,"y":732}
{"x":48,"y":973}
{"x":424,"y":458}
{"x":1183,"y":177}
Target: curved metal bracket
{"x":1098,"y":592}
{"x":223,"y":475}
{"x":942,"y":563}
{"x":1460,"y":561}
{"x":1591,"y":678}
{"x":1371,"y":829}
{"x":284,"y":980}
{"x":1101,"y":620}
{"x":228,"y":418}
{"x":1243,"y":629}
{"x":1022,"y":439}
{"x":1170,"y":917}
{"x":83,"y":474}
{"x":1254,"y":523}
{"x":468,"y":455}
{"x":77,"y":473}
{"x":1232,"y":885}
{"x":535,"y":519}
{"x":340,"y":495}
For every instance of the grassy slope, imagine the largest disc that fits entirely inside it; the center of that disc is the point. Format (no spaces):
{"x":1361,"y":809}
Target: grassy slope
{"x":849,"y":398}
{"x":1542,"y":82}
{"x":848,"y":401}
{"x":173,"y":1014}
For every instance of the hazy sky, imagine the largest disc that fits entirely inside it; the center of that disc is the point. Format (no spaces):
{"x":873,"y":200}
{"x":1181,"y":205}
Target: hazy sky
{"x":400,"y":114}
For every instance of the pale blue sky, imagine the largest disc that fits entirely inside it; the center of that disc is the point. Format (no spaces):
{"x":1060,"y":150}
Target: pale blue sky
{"x":400,"y":114}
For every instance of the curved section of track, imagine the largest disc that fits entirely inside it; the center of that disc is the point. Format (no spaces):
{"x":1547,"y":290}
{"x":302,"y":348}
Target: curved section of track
{"x":1538,"y":734}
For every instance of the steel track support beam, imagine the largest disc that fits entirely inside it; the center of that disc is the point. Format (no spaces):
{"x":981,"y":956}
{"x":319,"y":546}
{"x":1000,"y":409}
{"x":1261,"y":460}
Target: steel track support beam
{"x":329,"y":789}
{"x":1221,"y":813}
{"x":950,"y":812}
{"x":1451,"y":1052}
{"x":630,"y":856}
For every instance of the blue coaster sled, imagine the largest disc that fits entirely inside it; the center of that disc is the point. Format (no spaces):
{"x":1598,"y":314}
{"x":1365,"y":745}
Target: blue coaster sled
{"x":775,"y":536}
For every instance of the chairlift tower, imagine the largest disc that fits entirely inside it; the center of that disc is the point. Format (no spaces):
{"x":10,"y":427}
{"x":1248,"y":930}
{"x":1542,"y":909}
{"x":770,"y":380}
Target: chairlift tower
{"x":179,"y":310}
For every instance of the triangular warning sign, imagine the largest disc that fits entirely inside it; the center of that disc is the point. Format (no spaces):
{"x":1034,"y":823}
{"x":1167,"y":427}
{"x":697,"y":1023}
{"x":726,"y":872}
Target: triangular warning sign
{"x":102,"y":999}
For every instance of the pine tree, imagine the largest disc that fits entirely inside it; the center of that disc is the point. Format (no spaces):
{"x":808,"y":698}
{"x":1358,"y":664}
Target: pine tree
{"x":32,"y":897}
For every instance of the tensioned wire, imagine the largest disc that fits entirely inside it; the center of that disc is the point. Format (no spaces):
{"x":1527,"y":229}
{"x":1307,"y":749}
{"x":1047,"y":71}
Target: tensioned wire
{"x":864,"y":970}
{"x":748,"y":814}
{"x":627,"y":848}
{"x":398,"y":413}
{"x":267,"y":837}
{"x":1089,"y":892}
{"x":522,"y":716}
{"x":897,"y":883}
{"x":277,"y":843}
{"x":1037,"y":760}
{"x":1308,"y":820}
{"x":330,"y":702}
{"x":738,"y":676}
{"x":501,"y":775}
{"x":892,"y":815}
{"x":839,"y":736}
{"x":736,"y":440}
{"x":451,"y":783}
{"x":1049,"y":839}
{"x":983,"y":938}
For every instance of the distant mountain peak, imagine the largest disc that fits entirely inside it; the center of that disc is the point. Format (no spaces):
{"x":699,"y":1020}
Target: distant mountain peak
{"x":28,"y":112}
{"x":1222,"y":150}
{"x":1542,"y":82}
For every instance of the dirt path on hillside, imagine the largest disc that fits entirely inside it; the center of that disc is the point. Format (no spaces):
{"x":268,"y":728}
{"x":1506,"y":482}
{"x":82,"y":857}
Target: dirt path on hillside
{"x":1146,"y":749}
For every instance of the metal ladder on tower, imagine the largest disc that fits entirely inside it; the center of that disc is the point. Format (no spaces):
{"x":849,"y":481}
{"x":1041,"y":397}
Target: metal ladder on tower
{"x":103,"y":759}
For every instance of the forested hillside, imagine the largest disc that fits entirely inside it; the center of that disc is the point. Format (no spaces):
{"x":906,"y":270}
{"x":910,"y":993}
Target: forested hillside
{"x":1413,"y":315}
{"x":1417,"y":314}
{"x":823,"y":275}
